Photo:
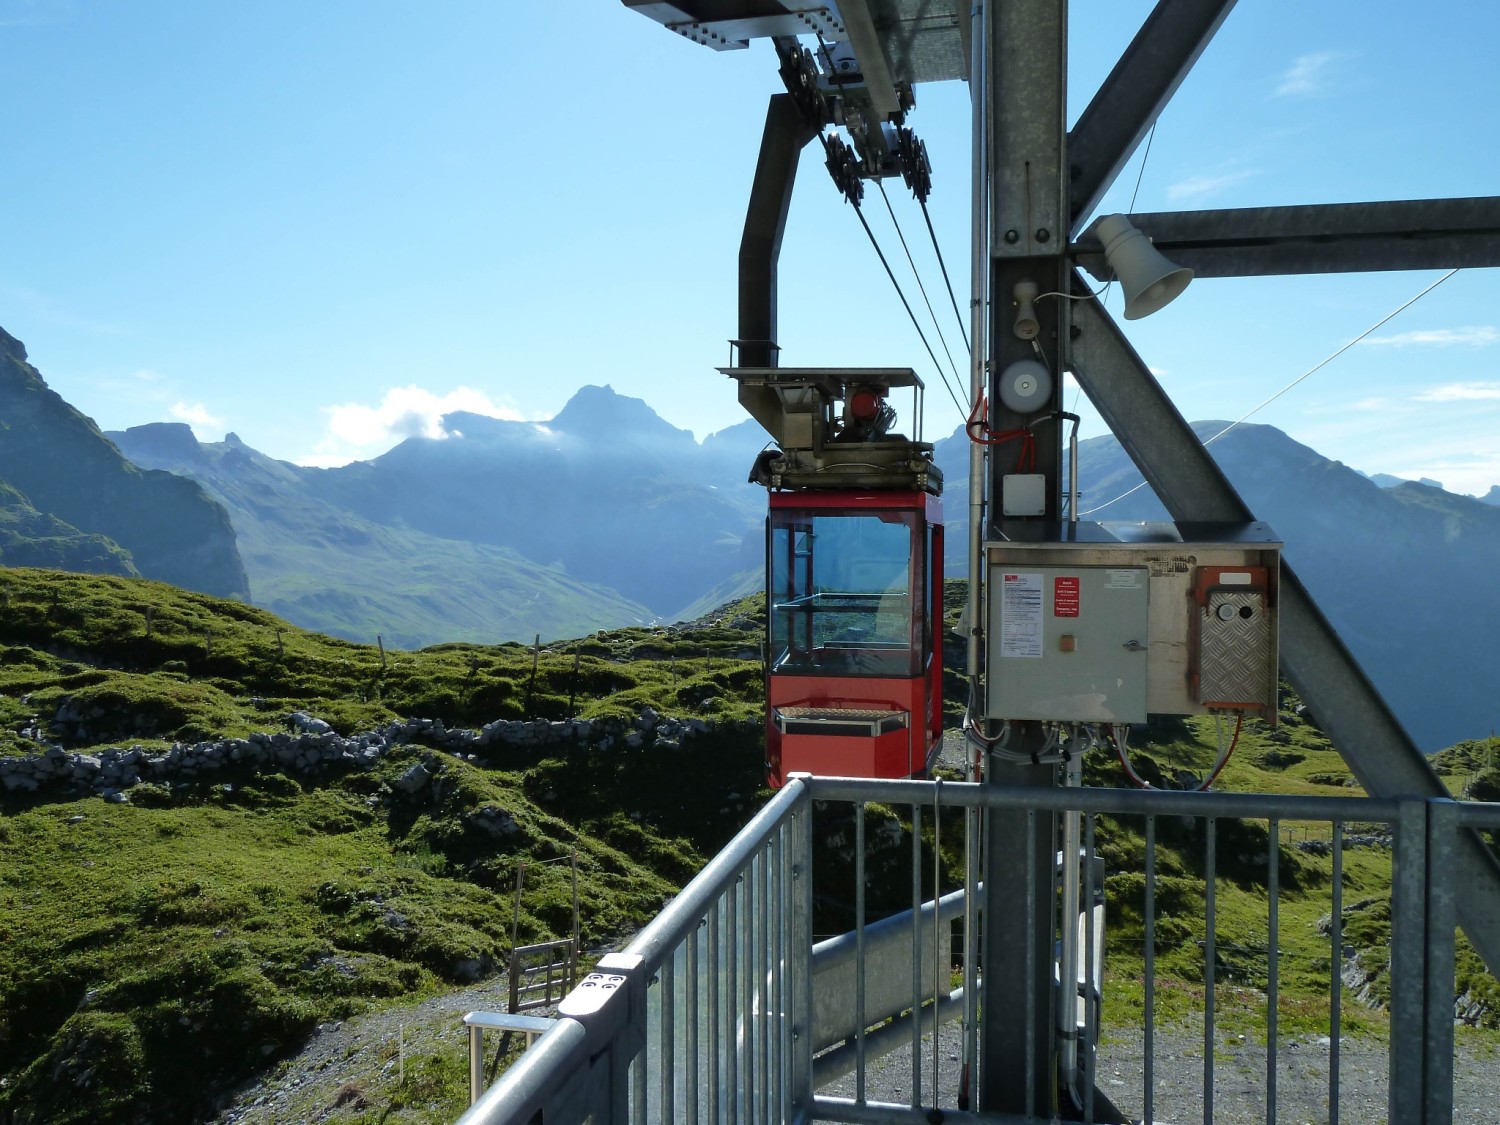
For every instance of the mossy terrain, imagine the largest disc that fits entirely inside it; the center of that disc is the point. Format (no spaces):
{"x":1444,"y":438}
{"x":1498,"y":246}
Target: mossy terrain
{"x":159,"y":951}
{"x":156,"y":952}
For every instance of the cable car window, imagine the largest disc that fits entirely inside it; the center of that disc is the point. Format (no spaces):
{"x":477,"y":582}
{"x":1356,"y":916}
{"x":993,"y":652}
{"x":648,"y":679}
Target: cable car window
{"x":841,"y":593}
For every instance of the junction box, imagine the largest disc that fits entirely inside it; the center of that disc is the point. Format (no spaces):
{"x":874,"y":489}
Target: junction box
{"x":1112,"y":623}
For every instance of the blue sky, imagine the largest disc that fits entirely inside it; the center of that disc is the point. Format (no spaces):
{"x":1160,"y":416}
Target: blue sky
{"x":321,"y":225}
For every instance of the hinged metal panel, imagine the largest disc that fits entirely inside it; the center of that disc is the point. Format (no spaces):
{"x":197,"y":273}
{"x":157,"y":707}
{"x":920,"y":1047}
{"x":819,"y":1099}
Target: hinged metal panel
{"x":1068,"y":643}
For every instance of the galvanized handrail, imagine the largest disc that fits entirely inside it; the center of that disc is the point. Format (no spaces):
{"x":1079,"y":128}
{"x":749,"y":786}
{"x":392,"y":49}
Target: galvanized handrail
{"x":666,"y":932}
{"x":480,"y":1022}
{"x":573,"y":1061}
{"x":717,"y":1009}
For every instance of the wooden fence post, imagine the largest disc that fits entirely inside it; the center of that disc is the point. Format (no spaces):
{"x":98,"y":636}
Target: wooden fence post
{"x":536,"y":655}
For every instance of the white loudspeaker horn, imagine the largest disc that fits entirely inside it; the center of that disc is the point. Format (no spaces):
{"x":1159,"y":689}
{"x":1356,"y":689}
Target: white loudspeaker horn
{"x":1026,"y":326}
{"x":1149,"y":279}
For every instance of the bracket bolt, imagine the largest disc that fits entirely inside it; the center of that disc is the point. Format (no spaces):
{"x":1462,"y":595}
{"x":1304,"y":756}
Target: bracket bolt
{"x":1012,"y":236}
{"x":1043,"y":234}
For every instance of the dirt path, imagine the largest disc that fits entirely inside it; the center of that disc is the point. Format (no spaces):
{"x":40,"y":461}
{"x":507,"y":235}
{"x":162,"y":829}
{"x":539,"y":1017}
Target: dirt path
{"x":371,"y":1062}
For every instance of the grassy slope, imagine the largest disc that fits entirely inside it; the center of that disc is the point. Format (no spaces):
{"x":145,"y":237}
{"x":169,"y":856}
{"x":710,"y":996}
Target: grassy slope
{"x":350,"y":577}
{"x":234,"y":914}
{"x":32,"y":538}
{"x":153,"y":954}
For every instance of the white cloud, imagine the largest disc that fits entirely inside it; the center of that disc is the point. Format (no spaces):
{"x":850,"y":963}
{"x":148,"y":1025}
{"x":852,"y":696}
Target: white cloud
{"x":1470,"y":474}
{"x":1307,"y":76}
{"x":196,"y":415}
{"x":1195,"y":187}
{"x":356,"y":430}
{"x":1473,"y":336}
{"x":146,"y":375}
{"x":1477,"y":391}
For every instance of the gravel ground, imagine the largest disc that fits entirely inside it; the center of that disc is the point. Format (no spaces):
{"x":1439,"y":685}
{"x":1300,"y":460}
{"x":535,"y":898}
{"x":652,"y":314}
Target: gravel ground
{"x":357,"y":1065}
{"x":350,"y":1067}
{"x":1239,"y":1082}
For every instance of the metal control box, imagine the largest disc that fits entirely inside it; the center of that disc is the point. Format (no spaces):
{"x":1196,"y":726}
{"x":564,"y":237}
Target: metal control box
{"x":1070,"y":638}
{"x":1069,"y":643}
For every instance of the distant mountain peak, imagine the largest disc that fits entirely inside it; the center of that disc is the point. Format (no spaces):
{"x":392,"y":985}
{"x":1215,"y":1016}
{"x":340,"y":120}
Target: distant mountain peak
{"x":465,"y":423}
{"x":173,"y":441}
{"x":600,"y":411}
{"x":68,"y":470}
{"x":11,"y":346}
{"x":1387,"y":480}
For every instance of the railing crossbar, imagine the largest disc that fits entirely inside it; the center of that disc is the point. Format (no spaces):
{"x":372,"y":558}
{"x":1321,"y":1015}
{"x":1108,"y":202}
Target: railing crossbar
{"x":726,"y":1012}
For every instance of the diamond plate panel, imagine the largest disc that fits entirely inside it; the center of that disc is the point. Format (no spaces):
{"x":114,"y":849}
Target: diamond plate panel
{"x":1236,"y":650}
{"x":923,"y":39}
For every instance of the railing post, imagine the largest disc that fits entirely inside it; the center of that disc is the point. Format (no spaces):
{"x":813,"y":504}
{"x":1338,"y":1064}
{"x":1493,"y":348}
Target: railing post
{"x":1423,"y":918}
{"x":476,"y":1062}
{"x":1443,"y":857}
{"x":610,"y":1003}
{"x":799,"y":891}
{"x":1408,"y":973}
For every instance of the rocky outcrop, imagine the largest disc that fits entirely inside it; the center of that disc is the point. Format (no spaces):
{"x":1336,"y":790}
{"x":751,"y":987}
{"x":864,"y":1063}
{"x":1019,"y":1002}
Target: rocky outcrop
{"x":62,"y":465}
{"x":32,"y":538}
{"x":313,"y":747}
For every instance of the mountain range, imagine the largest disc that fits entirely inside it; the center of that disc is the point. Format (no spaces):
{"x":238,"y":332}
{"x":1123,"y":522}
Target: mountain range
{"x":606,"y":515}
{"x":1407,"y":574}
{"x":69,"y":499}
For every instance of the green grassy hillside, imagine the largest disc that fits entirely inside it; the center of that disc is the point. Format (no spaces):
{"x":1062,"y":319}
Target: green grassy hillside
{"x":156,"y":951}
{"x":180,"y":936}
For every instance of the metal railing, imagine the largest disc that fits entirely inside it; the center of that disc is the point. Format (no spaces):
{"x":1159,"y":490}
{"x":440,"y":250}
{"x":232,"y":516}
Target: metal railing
{"x":724,"y":1009}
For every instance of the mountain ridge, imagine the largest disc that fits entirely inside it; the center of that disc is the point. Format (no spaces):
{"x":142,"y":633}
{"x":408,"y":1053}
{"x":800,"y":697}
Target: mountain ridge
{"x":103,"y":506}
{"x":607,"y":515}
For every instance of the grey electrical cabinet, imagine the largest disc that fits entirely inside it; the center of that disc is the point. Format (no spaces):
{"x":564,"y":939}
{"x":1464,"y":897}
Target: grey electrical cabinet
{"x":1110,"y":623}
{"x":1069,"y":642}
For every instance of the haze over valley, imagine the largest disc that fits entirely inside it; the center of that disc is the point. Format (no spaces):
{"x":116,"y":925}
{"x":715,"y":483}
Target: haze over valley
{"x":606,"y":515}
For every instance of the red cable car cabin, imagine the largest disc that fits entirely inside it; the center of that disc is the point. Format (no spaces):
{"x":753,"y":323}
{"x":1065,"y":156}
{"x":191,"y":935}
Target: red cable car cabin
{"x":854,"y":662}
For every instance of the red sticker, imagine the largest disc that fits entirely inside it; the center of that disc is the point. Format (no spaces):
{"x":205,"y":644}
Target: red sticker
{"x":1065,"y":597}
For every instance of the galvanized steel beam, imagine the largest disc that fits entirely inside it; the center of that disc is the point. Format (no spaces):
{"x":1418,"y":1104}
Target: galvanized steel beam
{"x":1137,"y":89}
{"x":1405,"y":234}
{"x":786,"y":134}
{"x":1313,"y":658}
{"x":1027,"y":81}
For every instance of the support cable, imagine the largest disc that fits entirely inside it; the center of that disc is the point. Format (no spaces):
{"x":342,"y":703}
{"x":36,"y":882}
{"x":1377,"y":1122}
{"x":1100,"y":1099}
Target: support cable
{"x":889,"y":210}
{"x":1300,"y":378}
{"x":943,"y":266}
{"x":1145,"y":156}
{"x":1103,"y":293}
{"x":879,"y":253}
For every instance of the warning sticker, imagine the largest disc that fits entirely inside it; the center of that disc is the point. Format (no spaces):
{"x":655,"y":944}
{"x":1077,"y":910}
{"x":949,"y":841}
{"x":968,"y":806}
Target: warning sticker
{"x":1065,"y":596}
{"x":1021,"y":615}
